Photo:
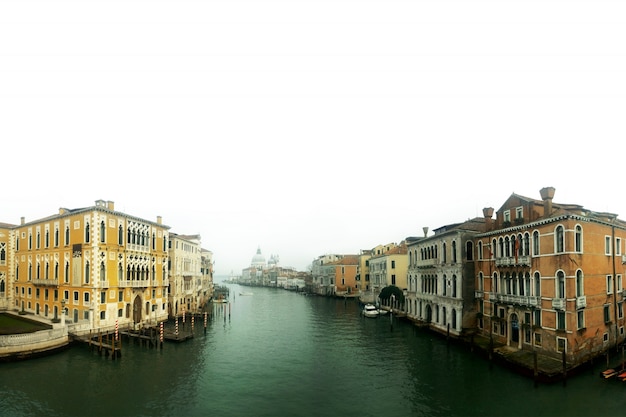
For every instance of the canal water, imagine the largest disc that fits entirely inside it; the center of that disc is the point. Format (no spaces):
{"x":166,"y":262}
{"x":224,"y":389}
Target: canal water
{"x":279,"y":353}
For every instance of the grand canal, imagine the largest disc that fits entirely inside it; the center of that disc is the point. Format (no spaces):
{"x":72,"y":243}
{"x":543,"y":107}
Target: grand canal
{"x":278,"y":353}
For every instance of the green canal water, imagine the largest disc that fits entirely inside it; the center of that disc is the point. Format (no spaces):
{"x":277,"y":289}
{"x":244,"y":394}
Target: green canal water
{"x":278,"y":353}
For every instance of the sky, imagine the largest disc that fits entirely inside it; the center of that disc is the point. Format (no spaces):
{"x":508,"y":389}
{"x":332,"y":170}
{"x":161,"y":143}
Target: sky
{"x":309,"y":127}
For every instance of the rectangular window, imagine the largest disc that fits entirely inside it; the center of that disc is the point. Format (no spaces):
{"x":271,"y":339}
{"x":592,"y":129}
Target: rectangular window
{"x":620,"y":310}
{"x":537,"y":318}
{"x":561,"y":344}
{"x":86,"y":298}
{"x":619,"y":283}
{"x":393,"y":279}
{"x":581,"y":319}
{"x":507,"y":216}
{"x":618,"y":245}
{"x":607,"y":245}
{"x":393,"y":264}
{"x":609,"y":284}
{"x":121,"y":296}
{"x":519,"y":213}
{"x":103,"y":297}
{"x":607,"y":313}
{"x":75,"y":297}
{"x":120,"y":313}
{"x":538,"y":339}
{"x":66,"y":295}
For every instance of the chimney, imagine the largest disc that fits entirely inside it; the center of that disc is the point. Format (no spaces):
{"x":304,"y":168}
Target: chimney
{"x":111,"y":205}
{"x":425,"y":229}
{"x":488,"y":214}
{"x":159,"y":220}
{"x":547,"y":194}
{"x":22,"y":220}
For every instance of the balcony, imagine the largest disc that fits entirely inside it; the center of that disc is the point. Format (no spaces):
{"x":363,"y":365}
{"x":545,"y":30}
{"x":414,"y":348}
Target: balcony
{"x":513,"y":261}
{"x":135,"y":283}
{"x":558,"y":303}
{"x":46,"y":282}
{"x":521,"y":300}
{"x":104,"y":283}
{"x":479,"y":294}
{"x":581,"y":302}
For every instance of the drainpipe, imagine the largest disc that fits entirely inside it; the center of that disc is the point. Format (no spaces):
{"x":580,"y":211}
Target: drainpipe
{"x":614,"y":283}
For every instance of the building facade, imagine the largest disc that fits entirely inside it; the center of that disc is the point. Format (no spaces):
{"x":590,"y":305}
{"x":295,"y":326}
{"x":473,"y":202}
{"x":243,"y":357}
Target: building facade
{"x":185,"y":274}
{"x":98,"y":266}
{"x":441,"y":278}
{"x":549,"y":277}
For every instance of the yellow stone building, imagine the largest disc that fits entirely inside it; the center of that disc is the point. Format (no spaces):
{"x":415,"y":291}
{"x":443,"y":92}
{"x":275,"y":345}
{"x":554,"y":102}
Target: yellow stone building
{"x":98,"y":266}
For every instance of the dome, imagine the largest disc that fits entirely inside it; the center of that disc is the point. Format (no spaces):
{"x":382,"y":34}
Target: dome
{"x":258,"y":259}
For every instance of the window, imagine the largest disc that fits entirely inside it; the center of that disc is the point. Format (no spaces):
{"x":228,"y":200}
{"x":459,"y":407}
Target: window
{"x":87,"y":235}
{"x":103,"y":315}
{"x":38,"y":241}
{"x":47,"y":239}
{"x":578,"y":239}
{"x":120,"y":312}
{"x":480,"y":251}
{"x":86,"y":297}
{"x":507,"y":216}
{"x":535,"y":243}
{"x":561,"y":344}
{"x":56,"y":236}
{"x":519,"y":213}
{"x":620,"y":310}
{"x":393,"y":264}
{"x":537,"y":318}
{"x":67,"y":235}
{"x":560,"y":278}
{"x":75,"y":297}
{"x":620,"y":288}
{"x":453,"y":252}
{"x":120,"y":297}
{"x":607,"y":245}
{"x":102,"y":232}
{"x":393,"y":279}
{"x":609,"y":284}
{"x":559,"y":242}
{"x":103,"y":297}
{"x":579,"y":283}
{"x":87,"y":269}
{"x":560,"y":320}
{"x":607,"y":313}
{"x":618,"y":245}
{"x":580,"y":317}
{"x":444,"y":251}
{"x":538,"y":339}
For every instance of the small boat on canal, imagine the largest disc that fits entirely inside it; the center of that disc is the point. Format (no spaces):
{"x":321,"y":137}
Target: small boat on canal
{"x":370,"y":310}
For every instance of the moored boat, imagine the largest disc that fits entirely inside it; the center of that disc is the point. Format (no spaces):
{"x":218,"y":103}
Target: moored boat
{"x":370,"y":310}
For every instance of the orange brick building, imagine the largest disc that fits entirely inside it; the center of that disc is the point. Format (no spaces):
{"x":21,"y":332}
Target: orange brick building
{"x":549,"y":277}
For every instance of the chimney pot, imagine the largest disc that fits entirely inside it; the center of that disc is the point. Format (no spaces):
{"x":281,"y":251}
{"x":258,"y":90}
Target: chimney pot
{"x":22,"y":220}
{"x":425,"y":229}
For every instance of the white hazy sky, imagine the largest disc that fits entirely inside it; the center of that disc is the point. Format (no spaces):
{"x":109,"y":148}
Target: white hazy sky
{"x":309,"y":127}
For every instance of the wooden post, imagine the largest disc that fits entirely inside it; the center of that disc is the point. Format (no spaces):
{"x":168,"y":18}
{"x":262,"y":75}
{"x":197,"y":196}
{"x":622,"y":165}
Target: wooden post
{"x":535,"y":368}
{"x":564,"y":367}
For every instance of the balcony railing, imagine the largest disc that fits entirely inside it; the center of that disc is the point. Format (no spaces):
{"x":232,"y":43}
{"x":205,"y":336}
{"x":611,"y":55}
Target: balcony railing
{"x":46,"y":282}
{"x":558,"y":303}
{"x":581,"y":302}
{"x":104,"y":283}
{"x":135,"y":283}
{"x":522,"y":300}
{"x":513,"y":261}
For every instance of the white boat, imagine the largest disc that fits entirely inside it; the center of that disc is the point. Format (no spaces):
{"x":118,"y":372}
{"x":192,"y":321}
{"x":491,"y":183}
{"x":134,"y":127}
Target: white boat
{"x":370,"y":310}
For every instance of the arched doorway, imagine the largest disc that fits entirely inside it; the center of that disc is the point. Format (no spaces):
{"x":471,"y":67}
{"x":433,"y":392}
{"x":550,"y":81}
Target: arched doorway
{"x":429,"y":313}
{"x":137,"y":310}
{"x":514,"y":328}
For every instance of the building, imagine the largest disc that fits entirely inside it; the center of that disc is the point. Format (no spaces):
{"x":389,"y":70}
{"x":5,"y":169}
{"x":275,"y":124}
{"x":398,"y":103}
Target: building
{"x":441,"y":278}
{"x":388,"y":265}
{"x":98,"y":266}
{"x":343,"y":273}
{"x":549,"y":278}
{"x":6,"y":295}
{"x":206,"y":290}
{"x":321,"y":282}
{"x":185,"y":274}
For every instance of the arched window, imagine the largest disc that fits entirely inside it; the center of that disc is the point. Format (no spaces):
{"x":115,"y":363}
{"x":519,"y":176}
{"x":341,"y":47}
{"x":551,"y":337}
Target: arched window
{"x":579,"y":283}
{"x":535,"y":243}
{"x":469,"y":250}
{"x":444,"y":252}
{"x":526,"y":244}
{"x":560,"y":284}
{"x":120,"y":235}
{"x":454,"y":251}
{"x":500,"y":248}
{"x":445,"y":285}
{"x":492,"y":249}
{"x":66,"y":272}
{"x":454,"y":286}
{"x":495,"y":282}
{"x":481,"y":281}
{"x":507,"y":247}
{"x":559,"y":243}
{"x":87,"y":274}
{"x":102,"y":232}
{"x":87,"y":232}
{"x":3,"y":255}
{"x":67,"y":235}
{"x":454,"y":319}
{"x":480,"y":249}
{"x":120,"y":272}
{"x":578,"y":239}
{"x":102,"y":272}
{"x":56,"y":270}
